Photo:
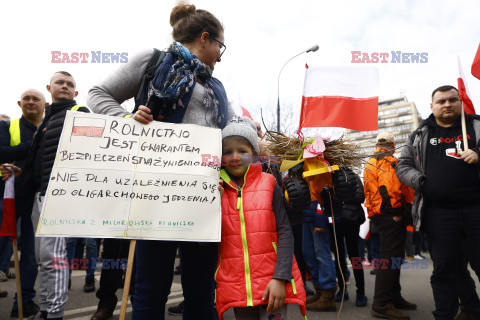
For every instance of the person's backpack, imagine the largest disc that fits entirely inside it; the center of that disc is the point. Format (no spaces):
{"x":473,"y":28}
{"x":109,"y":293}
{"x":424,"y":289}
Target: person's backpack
{"x":152,"y":66}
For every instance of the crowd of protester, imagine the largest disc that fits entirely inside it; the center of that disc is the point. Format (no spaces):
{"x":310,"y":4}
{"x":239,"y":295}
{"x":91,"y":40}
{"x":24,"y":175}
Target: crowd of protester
{"x":426,"y":198}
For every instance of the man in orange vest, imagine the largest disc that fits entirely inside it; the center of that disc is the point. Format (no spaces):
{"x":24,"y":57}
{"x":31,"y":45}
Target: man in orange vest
{"x":388,"y":203}
{"x":15,"y":140}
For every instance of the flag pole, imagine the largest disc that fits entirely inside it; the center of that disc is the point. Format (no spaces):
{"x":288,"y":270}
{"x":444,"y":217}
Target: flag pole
{"x":460,"y":90}
{"x":17,"y":277}
{"x":464,"y":130}
{"x":128,"y":277}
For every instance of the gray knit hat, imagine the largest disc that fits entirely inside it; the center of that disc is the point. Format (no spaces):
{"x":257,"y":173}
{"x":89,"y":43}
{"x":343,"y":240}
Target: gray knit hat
{"x":243,"y":127}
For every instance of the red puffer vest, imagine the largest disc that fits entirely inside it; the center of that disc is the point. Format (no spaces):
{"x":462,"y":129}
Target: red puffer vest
{"x":247,"y":253}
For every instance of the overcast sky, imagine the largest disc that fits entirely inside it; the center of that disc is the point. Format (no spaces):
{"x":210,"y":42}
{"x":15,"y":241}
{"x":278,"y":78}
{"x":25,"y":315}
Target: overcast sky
{"x":260,"y":37}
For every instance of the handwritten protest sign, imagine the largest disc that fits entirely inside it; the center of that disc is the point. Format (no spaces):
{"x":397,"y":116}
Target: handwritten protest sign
{"x":115,"y":177}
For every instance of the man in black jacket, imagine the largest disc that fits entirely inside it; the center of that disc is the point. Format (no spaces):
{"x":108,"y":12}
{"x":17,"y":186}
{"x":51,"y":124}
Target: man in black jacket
{"x":34,"y":182}
{"x":15,"y":141}
{"x":446,"y":180}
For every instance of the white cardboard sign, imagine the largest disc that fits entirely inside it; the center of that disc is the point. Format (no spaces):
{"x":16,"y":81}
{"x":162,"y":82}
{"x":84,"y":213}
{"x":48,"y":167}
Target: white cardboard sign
{"x":117,"y":178}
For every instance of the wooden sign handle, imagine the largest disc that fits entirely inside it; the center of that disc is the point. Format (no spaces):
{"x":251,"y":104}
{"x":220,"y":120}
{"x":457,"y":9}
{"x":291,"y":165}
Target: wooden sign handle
{"x":128,"y":277}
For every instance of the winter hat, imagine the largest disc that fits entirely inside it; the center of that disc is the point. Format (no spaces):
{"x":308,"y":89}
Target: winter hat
{"x":243,"y":127}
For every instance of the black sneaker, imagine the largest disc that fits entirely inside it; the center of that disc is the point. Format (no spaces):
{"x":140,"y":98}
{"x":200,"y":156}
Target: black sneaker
{"x":29,"y":309}
{"x":89,"y":284}
{"x":177,"y":310}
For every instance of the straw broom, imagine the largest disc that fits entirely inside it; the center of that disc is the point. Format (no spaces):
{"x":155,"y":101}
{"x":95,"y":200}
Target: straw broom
{"x":340,"y":152}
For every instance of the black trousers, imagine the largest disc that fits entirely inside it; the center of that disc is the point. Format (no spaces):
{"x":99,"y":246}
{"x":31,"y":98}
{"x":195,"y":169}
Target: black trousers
{"x":347,"y":233}
{"x":392,"y":252}
{"x":114,"y":250}
{"x":454,"y":239}
{"x":155,"y":265}
{"x":297,"y":249}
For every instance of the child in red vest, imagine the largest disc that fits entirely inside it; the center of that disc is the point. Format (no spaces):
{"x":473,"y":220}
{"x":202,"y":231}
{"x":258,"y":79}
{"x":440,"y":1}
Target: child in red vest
{"x":257,"y":274}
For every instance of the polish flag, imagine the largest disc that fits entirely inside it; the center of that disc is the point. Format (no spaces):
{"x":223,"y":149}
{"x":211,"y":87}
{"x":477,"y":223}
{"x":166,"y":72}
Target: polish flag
{"x":245,"y":113}
{"x":463,"y":91}
{"x":8,"y":228}
{"x":345,"y":97}
{"x":476,"y":64}
{"x":88,"y":127}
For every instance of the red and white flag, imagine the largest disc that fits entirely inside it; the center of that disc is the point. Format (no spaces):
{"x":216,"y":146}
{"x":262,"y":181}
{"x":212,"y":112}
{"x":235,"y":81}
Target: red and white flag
{"x":88,"y":127}
{"x":463,"y":91}
{"x":245,"y":113}
{"x":345,"y":97}
{"x":8,"y":228}
{"x":476,"y":64}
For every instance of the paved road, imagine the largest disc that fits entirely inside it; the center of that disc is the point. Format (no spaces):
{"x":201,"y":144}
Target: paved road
{"x":415,"y":283}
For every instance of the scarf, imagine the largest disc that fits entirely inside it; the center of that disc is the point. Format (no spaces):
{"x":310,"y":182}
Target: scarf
{"x":181,"y":79}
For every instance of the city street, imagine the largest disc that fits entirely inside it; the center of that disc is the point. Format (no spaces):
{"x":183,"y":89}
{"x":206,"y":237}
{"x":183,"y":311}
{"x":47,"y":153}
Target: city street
{"x":415,"y":281}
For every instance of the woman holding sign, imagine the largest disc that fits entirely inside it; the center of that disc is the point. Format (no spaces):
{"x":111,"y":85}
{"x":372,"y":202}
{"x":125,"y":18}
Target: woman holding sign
{"x":178,"y":88}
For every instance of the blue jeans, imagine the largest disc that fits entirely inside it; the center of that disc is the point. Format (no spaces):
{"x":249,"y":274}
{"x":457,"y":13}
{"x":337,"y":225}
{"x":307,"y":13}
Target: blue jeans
{"x":91,"y":254}
{"x":316,"y":251}
{"x":153,"y":279}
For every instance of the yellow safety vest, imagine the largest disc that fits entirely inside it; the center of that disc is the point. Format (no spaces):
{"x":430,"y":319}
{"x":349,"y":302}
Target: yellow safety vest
{"x":14,"y":130}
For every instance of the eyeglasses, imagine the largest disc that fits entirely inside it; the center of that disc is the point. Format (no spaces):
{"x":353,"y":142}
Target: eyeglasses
{"x":223,"y":46}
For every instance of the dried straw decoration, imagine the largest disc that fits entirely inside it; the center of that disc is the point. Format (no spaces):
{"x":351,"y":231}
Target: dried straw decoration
{"x":339,"y":152}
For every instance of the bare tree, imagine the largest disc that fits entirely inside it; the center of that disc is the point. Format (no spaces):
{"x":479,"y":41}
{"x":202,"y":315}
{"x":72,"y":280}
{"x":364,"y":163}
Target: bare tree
{"x":289,"y":116}
{"x":289,"y":120}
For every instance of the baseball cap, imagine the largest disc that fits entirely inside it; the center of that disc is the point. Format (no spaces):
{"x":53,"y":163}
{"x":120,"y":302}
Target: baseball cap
{"x":385,"y":138}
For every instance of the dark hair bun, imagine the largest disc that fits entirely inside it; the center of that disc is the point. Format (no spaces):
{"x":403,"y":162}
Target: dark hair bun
{"x":188,"y":23}
{"x":180,"y":11}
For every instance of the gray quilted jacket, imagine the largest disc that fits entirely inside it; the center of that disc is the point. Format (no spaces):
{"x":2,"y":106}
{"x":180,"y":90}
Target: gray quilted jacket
{"x":411,"y":164}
